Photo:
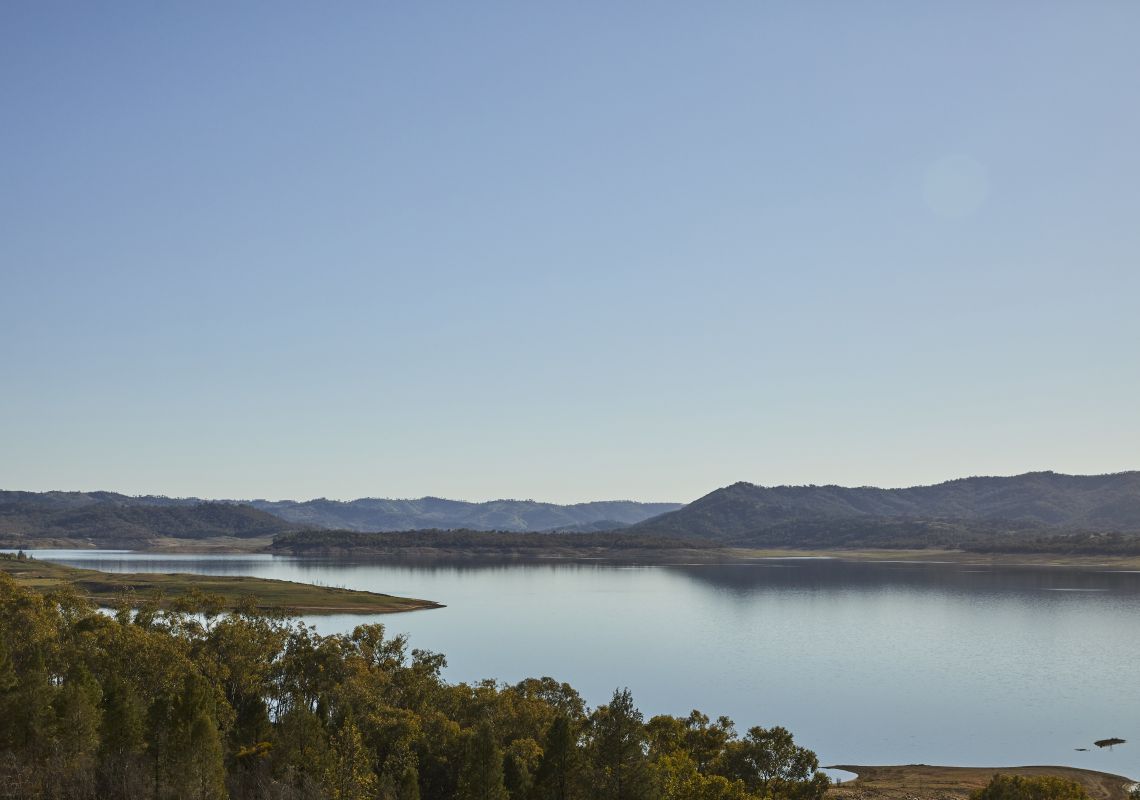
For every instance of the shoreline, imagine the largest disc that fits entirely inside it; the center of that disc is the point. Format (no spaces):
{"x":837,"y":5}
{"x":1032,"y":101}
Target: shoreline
{"x":930,"y":782}
{"x":726,"y":556}
{"x":712,"y":556}
{"x":963,"y":557}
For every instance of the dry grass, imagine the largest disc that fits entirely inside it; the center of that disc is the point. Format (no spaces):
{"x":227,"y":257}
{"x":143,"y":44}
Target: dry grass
{"x":106,"y":588}
{"x":924,"y":782}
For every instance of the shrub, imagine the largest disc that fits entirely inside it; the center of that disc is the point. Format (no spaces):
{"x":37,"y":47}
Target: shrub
{"x":1018,"y":787}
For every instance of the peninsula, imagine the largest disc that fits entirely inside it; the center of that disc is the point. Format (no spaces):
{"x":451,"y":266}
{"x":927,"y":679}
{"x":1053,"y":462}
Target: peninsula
{"x":224,"y":591}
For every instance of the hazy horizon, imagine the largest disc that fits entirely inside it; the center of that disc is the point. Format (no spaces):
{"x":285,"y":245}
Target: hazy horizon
{"x":565,"y":253}
{"x":507,"y":498}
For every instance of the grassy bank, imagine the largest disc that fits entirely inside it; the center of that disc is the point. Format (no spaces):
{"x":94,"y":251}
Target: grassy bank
{"x":925,"y":782}
{"x":107,"y":588}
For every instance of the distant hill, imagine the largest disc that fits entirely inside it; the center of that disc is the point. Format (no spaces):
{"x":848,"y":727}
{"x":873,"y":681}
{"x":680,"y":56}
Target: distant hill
{"x":1029,"y":506}
{"x":111,"y":519}
{"x":379,"y":515}
{"x":1041,"y":511}
{"x":107,"y":519}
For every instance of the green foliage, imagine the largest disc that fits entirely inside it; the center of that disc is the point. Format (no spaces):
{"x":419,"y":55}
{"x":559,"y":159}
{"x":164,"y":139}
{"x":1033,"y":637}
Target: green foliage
{"x":617,"y":744}
{"x":1018,"y":787}
{"x":174,"y":705}
{"x":558,"y":773}
{"x":482,"y":775}
{"x":350,"y":775}
{"x":768,"y":761}
{"x":680,"y":779}
{"x":194,"y":745}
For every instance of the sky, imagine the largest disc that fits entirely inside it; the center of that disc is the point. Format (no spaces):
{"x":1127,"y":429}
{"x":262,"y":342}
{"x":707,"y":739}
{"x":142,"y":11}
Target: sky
{"x":565,"y":251}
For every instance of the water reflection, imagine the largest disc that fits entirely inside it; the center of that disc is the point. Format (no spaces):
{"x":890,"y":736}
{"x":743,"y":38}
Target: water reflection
{"x":829,"y":574}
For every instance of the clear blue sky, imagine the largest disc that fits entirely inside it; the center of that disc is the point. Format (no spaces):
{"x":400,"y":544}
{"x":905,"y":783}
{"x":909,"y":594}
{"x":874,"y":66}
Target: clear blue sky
{"x":565,"y":251}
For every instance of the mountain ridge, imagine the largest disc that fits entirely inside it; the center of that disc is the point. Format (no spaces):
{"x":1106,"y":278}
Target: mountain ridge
{"x":1043,"y":501}
{"x":1044,"y":508}
{"x":384,"y":514}
{"x":365,"y":514}
{"x":24,"y":521}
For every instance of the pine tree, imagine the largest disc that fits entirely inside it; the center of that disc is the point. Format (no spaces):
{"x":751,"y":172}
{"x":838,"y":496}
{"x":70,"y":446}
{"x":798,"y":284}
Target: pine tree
{"x":197,"y":768}
{"x":77,"y":718}
{"x":121,"y":740}
{"x":409,"y":785}
{"x":557,"y":775}
{"x":482,"y":774}
{"x":618,"y":763}
{"x":350,"y":775}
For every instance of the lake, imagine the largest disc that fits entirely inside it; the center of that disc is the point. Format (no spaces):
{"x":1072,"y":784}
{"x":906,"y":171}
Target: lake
{"x":865,"y":662}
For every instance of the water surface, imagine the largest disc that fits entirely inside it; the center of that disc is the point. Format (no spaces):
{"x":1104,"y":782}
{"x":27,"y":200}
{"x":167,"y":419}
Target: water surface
{"x":884,"y":662}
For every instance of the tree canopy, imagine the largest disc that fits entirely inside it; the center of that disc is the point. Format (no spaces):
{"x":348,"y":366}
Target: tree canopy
{"x":190,"y":703}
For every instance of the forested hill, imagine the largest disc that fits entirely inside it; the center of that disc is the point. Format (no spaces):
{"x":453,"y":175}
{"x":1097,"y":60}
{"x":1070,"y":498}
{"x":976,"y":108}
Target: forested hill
{"x":110,"y":519}
{"x":106,"y":519}
{"x":378,"y":514}
{"x":1037,"y":510}
{"x":1032,"y":505}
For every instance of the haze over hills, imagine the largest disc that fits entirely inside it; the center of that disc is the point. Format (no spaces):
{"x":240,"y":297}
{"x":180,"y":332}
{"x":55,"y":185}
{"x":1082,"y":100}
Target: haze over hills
{"x":376,"y":514}
{"x":1031,"y":505}
{"x":112,"y":519}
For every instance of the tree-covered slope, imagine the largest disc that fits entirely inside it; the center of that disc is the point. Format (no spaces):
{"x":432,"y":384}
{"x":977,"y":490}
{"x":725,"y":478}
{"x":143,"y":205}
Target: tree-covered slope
{"x":108,"y":520}
{"x":189,"y":704}
{"x":378,"y":514}
{"x":1038,"y":502}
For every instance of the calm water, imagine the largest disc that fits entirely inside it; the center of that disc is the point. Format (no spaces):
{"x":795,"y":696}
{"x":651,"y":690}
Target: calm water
{"x":864,"y":662}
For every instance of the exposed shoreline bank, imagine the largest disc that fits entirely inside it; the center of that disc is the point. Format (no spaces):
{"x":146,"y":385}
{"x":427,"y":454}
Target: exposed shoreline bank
{"x":927,"y":782}
{"x":965,"y":557}
{"x":711,"y":555}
